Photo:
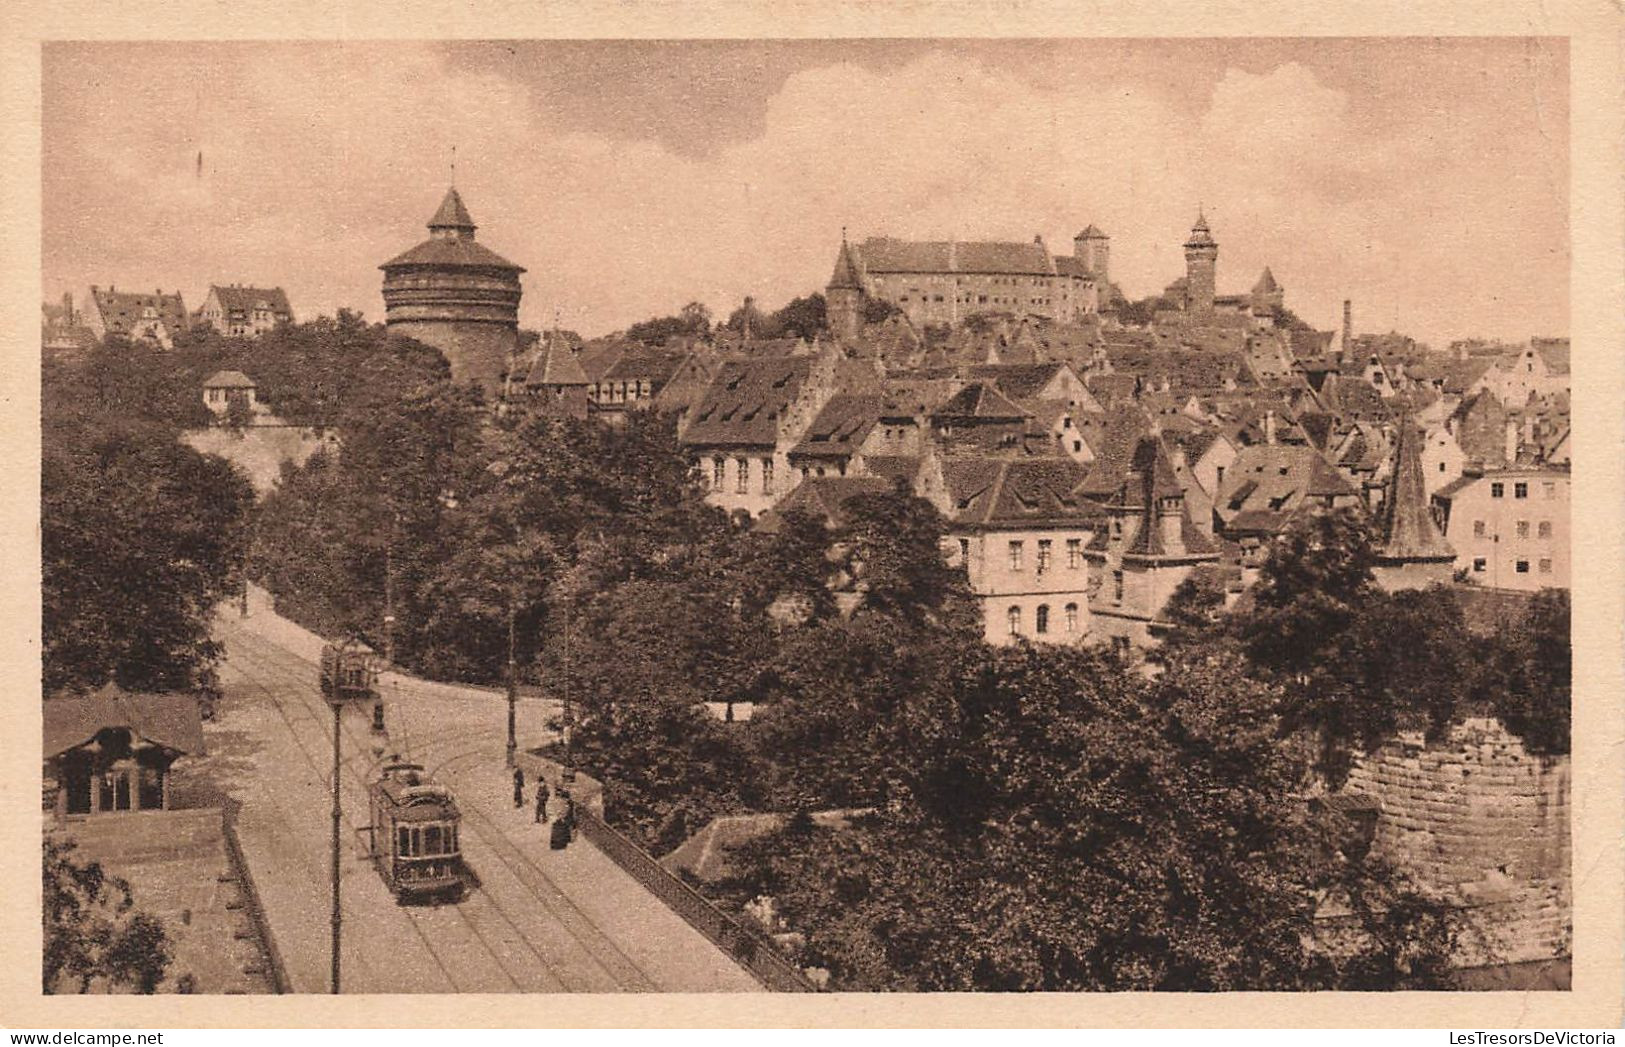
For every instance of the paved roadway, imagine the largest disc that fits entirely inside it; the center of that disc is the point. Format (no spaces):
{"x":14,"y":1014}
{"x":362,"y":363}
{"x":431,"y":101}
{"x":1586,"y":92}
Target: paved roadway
{"x":538,"y":921}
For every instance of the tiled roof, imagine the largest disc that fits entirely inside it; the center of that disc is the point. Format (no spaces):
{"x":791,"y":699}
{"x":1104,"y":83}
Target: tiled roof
{"x":893,"y":468}
{"x":170,"y":720}
{"x":1408,"y":530}
{"x":229,"y":380}
{"x":746,"y":400}
{"x":979,"y":400}
{"x":1017,"y":381}
{"x":556,"y":365}
{"x":841,"y":427}
{"x":451,"y":213}
{"x":845,"y":277}
{"x":1277,"y":478}
{"x":1006,"y":492}
{"x":885,"y":255}
{"x":121,"y":311}
{"x":461,"y":254}
{"x":1090,"y":232}
{"x":234,"y":299}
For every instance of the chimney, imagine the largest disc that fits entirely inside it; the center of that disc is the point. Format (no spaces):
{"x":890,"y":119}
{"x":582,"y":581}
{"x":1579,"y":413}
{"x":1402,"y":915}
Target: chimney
{"x":1512,"y":441}
{"x":1269,"y":427}
{"x":1348,"y":323}
{"x":1168,"y":518}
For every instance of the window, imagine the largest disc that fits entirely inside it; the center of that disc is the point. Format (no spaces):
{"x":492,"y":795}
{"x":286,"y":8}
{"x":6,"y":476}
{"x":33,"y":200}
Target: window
{"x":1479,"y":564}
{"x":1041,"y":619}
{"x":1544,"y":529}
{"x":742,"y":482}
{"x":1545,"y":566}
{"x":1441,"y":467}
{"x":1548,"y":490}
{"x":1043,"y":558}
{"x":964,"y":550}
{"x":403,"y":841}
{"x":1498,"y":490}
{"x":1478,"y":528}
{"x":431,"y":839}
{"x":1071,"y":619}
{"x":767,"y":476}
{"x":1015,"y":556}
{"x":1117,"y":586}
{"x":1013,"y":617}
{"x":1074,"y":553}
{"x":1117,"y":527}
{"x":1523,"y":528}
{"x":1522,"y":567}
{"x":1520,"y":490}
{"x":716,"y":474}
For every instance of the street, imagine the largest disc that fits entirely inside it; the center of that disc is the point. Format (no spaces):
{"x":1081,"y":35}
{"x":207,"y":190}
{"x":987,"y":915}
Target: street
{"x":536,"y":920}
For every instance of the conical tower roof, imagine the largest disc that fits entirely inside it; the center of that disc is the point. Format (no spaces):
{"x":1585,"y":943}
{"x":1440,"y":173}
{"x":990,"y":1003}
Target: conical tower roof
{"x":452,"y":214}
{"x":557,"y":366}
{"x":1266,"y":283}
{"x":845,"y":277}
{"x":1408,"y":531}
{"x":1200,"y":236}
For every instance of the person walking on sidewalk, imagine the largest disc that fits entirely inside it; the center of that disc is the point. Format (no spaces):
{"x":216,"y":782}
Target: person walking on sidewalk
{"x":518,"y":787}
{"x":541,"y":799}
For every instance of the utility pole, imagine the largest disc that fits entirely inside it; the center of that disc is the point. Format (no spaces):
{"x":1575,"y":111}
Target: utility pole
{"x":389,"y":592}
{"x":513,"y":681}
{"x":337,"y":815}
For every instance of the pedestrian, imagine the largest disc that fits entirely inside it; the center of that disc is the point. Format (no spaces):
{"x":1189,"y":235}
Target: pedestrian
{"x":541,"y":799}
{"x":518,"y":787}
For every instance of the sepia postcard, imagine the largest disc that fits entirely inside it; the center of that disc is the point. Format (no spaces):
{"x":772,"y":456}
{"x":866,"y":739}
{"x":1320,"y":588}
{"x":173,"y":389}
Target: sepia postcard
{"x":954,"y":514}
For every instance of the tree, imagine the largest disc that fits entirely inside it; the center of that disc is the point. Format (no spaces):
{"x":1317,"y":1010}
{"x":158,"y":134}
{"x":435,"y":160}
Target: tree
{"x":1528,"y":674}
{"x":1086,"y":829}
{"x":93,"y":934}
{"x":140,"y":539}
{"x":693,"y":321}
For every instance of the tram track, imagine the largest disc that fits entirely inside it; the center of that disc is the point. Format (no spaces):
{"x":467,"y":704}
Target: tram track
{"x":620,"y":968}
{"x":415,"y":918}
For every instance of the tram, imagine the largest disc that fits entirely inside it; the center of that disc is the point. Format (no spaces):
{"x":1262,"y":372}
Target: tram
{"x":414,"y":833}
{"x":349,"y":670}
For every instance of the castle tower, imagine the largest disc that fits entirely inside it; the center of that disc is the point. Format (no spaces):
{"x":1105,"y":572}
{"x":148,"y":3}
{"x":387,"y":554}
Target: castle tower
{"x":1267,"y":293}
{"x":458,"y":296}
{"x":1092,"y":248}
{"x":1201,"y":267}
{"x":843,"y":298}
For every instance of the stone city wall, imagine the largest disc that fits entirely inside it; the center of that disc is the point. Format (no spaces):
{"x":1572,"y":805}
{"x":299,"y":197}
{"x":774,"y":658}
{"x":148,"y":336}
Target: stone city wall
{"x":1479,"y":817}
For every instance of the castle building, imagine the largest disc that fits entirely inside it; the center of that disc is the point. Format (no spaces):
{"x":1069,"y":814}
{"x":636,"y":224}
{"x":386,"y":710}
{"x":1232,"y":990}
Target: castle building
{"x":941,"y":282}
{"x":458,"y":296}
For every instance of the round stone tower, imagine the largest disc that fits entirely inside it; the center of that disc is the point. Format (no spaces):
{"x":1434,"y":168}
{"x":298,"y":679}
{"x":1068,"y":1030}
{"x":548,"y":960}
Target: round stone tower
{"x":458,"y":296}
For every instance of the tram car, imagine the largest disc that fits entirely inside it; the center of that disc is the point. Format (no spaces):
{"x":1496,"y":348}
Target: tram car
{"x":349,"y":670}
{"x":415,"y":825}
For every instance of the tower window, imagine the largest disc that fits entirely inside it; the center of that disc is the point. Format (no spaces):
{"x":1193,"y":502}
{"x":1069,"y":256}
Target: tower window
{"x":1015,"y":556}
{"x":1012,"y":618}
{"x":1041,"y":619}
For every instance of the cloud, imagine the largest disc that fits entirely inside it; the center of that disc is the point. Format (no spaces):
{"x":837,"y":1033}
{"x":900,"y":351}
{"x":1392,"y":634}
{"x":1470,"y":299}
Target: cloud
{"x":322,"y":161}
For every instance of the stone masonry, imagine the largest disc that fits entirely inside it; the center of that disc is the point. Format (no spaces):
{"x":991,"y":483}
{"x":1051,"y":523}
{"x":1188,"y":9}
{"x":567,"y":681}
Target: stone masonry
{"x":1483,"y":820}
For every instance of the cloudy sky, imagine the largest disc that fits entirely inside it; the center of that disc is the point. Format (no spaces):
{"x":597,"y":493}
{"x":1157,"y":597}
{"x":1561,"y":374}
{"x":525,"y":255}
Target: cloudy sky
{"x":1427,"y":180}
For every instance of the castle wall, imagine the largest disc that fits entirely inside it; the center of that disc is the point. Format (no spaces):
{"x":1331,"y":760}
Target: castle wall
{"x":945,"y":298}
{"x":1480,"y":818}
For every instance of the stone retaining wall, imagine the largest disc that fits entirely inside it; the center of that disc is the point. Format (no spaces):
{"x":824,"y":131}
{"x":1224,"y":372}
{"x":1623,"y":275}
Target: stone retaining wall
{"x":1483,"y":820}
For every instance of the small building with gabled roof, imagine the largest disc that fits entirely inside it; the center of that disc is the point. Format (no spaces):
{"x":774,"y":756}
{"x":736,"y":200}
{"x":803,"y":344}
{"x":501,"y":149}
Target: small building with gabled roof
{"x":110,"y":752}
